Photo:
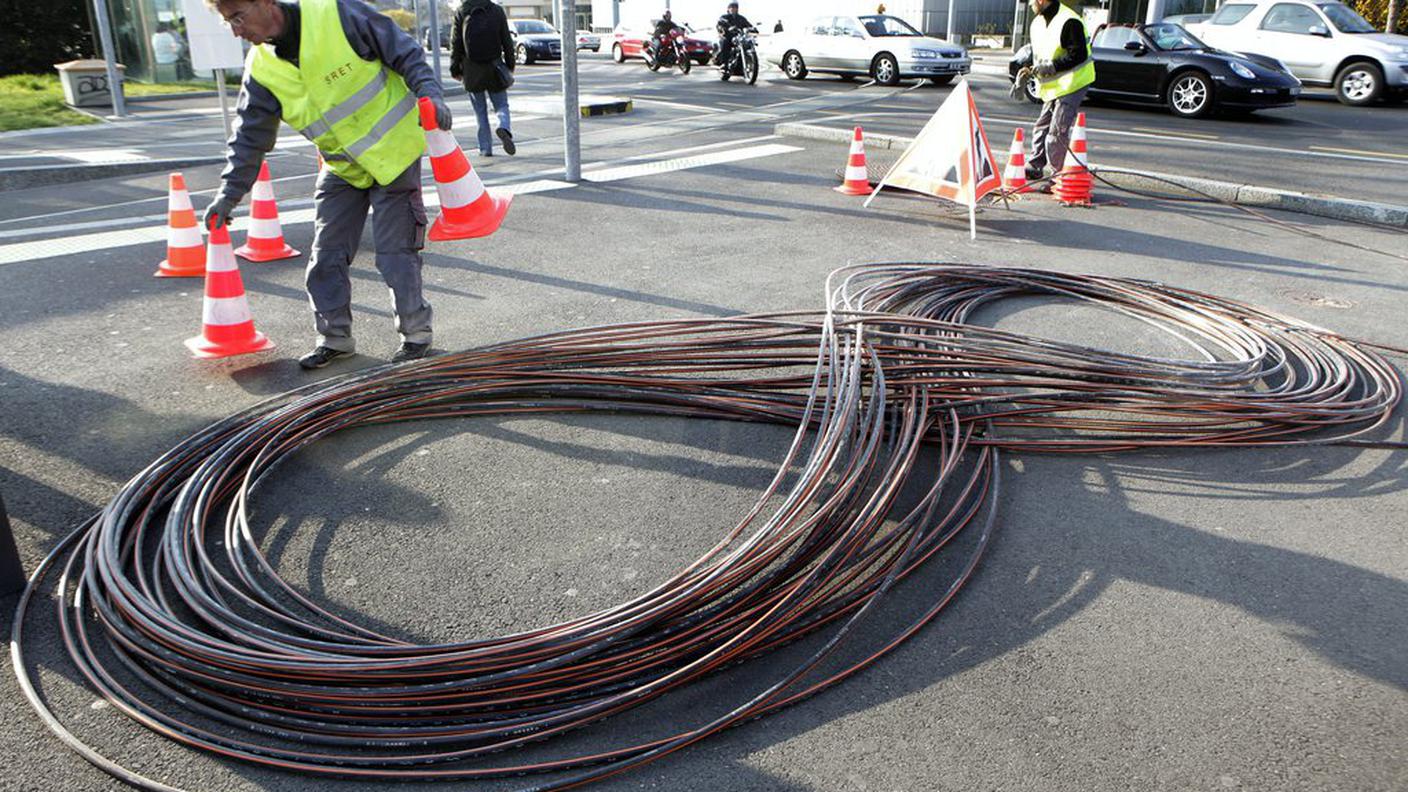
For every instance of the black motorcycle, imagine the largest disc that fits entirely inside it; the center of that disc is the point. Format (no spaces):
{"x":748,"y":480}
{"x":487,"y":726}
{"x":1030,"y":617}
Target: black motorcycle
{"x":671,"y":52}
{"x":743,"y":55}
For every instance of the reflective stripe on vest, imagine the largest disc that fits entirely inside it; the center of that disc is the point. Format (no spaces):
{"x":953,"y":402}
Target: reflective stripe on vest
{"x":1046,"y":45}
{"x":359,"y":113}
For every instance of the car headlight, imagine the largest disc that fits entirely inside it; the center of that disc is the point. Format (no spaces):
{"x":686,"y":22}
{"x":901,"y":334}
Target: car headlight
{"x":1242,"y":71}
{"x":923,"y":54}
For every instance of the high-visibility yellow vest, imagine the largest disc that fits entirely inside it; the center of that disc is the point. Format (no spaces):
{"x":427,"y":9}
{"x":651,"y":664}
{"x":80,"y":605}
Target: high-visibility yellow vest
{"x":359,"y":113}
{"x":1046,"y":45}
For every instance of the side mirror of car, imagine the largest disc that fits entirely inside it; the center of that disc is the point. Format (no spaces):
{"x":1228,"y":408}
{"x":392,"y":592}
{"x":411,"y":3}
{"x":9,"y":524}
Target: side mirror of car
{"x":1319,"y":30}
{"x":1137,"y":47}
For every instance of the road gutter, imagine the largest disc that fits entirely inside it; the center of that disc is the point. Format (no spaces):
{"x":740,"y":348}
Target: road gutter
{"x":1335,"y":208}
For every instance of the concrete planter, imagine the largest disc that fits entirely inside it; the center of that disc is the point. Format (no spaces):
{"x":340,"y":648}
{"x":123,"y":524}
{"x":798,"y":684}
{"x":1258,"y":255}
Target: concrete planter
{"x":990,"y":42}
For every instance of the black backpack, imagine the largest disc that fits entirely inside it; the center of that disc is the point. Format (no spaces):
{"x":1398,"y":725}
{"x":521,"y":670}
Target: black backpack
{"x":481,"y":34}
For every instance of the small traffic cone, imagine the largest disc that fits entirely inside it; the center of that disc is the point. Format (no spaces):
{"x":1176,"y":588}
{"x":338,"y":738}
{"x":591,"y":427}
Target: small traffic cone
{"x":467,"y":210}
{"x":857,"y":179}
{"x":227,"y":325}
{"x":185,"y":252}
{"x":1016,"y":175}
{"x":1074,"y":183}
{"x":265,"y":240}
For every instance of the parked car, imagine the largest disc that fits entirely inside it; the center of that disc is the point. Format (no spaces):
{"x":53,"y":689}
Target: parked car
{"x":630,"y":42}
{"x":589,"y":41}
{"x":886,"y":48}
{"x":534,"y":40}
{"x":1186,"y":19}
{"x":425,"y":38}
{"x":1323,"y":43}
{"x":1164,"y":64}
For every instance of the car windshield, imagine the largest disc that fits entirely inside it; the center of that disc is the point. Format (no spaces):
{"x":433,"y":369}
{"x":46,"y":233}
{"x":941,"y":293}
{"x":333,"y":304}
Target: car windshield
{"x":877,"y":25}
{"x":533,"y":26}
{"x":1172,"y":37}
{"x":1345,"y":19}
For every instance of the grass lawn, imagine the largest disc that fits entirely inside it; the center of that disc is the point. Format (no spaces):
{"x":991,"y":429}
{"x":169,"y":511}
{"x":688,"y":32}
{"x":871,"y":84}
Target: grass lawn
{"x":29,"y":101}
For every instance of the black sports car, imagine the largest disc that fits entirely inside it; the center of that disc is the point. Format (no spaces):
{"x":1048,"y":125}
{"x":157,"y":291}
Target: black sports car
{"x":1162,"y":63}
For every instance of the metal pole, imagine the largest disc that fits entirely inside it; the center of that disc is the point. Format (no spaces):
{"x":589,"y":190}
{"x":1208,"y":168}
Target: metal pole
{"x":224,"y":103}
{"x":415,"y":9}
{"x":571,"y":109}
{"x":11,"y":573}
{"x":615,"y":14}
{"x":119,"y":105}
{"x":948,"y":35}
{"x":435,"y":37}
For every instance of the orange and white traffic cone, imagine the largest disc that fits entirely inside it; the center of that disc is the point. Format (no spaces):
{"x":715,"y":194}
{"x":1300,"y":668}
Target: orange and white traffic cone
{"x":857,"y":179}
{"x":1016,"y":175}
{"x":467,"y":210}
{"x":185,"y":252}
{"x":227,"y":325}
{"x":1074,"y":183}
{"x":265,"y":240}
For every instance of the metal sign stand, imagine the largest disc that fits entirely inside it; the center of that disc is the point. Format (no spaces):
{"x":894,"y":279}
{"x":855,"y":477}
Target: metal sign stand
{"x":119,"y":104}
{"x":571,"y":108}
{"x":224,"y":102}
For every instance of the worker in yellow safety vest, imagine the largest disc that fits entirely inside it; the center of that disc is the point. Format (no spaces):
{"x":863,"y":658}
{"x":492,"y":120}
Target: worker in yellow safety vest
{"x":348,"y":79}
{"x":1061,"y":64}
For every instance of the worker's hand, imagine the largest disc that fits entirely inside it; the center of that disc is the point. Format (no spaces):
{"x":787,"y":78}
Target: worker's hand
{"x":443,"y":119}
{"x":219,"y":213}
{"x":1043,"y":69}
{"x":1019,"y":83}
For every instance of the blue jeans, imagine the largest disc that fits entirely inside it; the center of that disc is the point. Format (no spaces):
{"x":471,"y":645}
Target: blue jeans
{"x":481,"y":112}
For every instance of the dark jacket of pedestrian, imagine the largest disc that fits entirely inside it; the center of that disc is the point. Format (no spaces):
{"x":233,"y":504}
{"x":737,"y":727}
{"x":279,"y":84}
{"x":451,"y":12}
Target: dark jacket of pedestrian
{"x":480,"y":38}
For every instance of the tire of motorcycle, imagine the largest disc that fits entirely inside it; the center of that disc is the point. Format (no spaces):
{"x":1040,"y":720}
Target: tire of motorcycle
{"x":725,"y":72}
{"x":652,"y":63}
{"x":685,"y":64}
{"x":750,"y":67}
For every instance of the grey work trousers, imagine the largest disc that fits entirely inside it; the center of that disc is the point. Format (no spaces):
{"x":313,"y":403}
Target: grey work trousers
{"x":398,"y":231}
{"x":1051,"y":137}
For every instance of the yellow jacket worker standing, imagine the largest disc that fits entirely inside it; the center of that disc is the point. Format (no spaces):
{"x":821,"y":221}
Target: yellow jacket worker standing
{"x":1063,"y":69}
{"x":348,"y":79}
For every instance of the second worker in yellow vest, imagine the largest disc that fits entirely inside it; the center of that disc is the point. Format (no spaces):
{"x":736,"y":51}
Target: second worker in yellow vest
{"x":1063,"y":69}
{"x":346,"y":78}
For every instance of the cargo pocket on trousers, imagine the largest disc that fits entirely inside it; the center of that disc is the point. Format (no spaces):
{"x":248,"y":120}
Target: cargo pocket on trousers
{"x":418,"y":219}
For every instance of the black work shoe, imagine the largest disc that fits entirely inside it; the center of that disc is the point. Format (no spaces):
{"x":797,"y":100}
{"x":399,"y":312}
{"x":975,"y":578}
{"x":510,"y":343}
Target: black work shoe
{"x":409,"y":351}
{"x":507,"y":138}
{"x":1035,"y":173}
{"x":321,"y":357}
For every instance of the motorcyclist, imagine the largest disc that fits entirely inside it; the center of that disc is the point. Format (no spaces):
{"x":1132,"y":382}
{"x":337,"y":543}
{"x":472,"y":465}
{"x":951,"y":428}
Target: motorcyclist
{"x":663,"y":28}
{"x":727,"y":24}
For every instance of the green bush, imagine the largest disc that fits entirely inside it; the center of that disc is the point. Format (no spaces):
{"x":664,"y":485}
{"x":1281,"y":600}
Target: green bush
{"x":36,"y":35}
{"x":404,"y":19}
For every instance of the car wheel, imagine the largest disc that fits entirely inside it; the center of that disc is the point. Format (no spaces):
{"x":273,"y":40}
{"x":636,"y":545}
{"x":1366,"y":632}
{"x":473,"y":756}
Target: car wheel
{"x":596,"y":49}
{"x":943,"y":79}
{"x":521,"y":55}
{"x":793,"y":65}
{"x":1359,"y":84}
{"x":885,"y":69}
{"x":616,"y":53}
{"x":1190,"y":95}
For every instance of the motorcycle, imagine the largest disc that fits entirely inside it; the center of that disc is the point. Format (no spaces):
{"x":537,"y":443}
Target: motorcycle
{"x":743,"y":56}
{"x":671,"y":52}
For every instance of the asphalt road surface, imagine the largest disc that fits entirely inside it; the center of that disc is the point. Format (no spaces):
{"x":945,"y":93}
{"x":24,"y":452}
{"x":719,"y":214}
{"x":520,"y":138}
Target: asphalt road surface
{"x":1170,"y":621}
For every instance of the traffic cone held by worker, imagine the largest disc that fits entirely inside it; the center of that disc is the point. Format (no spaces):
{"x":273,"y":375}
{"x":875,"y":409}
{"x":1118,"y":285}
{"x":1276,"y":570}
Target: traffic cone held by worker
{"x":185,"y":252}
{"x":265,"y":240}
{"x":227,"y":325}
{"x":1016,"y":174}
{"x":467,"y":210}
{"x":857,"y":178}
{"x":1074,"y":183}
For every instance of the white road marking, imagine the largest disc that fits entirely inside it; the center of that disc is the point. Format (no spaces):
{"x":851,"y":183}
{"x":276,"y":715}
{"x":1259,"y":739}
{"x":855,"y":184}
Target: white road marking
{"x":156,"y":232}
{"x":102,"y":156}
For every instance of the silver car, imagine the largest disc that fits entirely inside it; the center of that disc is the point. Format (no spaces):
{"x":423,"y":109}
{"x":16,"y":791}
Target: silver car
{"x":1322,"y":43}
{"x":886,"y":48}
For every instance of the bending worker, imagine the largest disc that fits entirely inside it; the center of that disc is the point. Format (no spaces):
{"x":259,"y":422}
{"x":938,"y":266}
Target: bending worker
{"x":347,"y":78}
{"x":1063,"y":69}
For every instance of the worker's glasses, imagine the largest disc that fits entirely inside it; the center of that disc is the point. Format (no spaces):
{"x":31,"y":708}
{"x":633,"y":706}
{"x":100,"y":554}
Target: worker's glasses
{"x":236,"y":21}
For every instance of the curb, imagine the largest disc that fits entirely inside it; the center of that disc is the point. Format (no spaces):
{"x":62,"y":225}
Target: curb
{"x":43,"y":175}
{"x":1347,"y":209}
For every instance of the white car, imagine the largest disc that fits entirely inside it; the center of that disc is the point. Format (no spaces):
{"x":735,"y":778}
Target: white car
{"x":1322,"y":43}
{"x":886,"y":48}
{"x":589,"y":41}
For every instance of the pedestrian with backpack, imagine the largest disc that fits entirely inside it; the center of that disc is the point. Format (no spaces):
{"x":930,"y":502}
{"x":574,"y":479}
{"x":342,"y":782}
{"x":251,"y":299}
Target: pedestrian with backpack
{"x":481,"y":57}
